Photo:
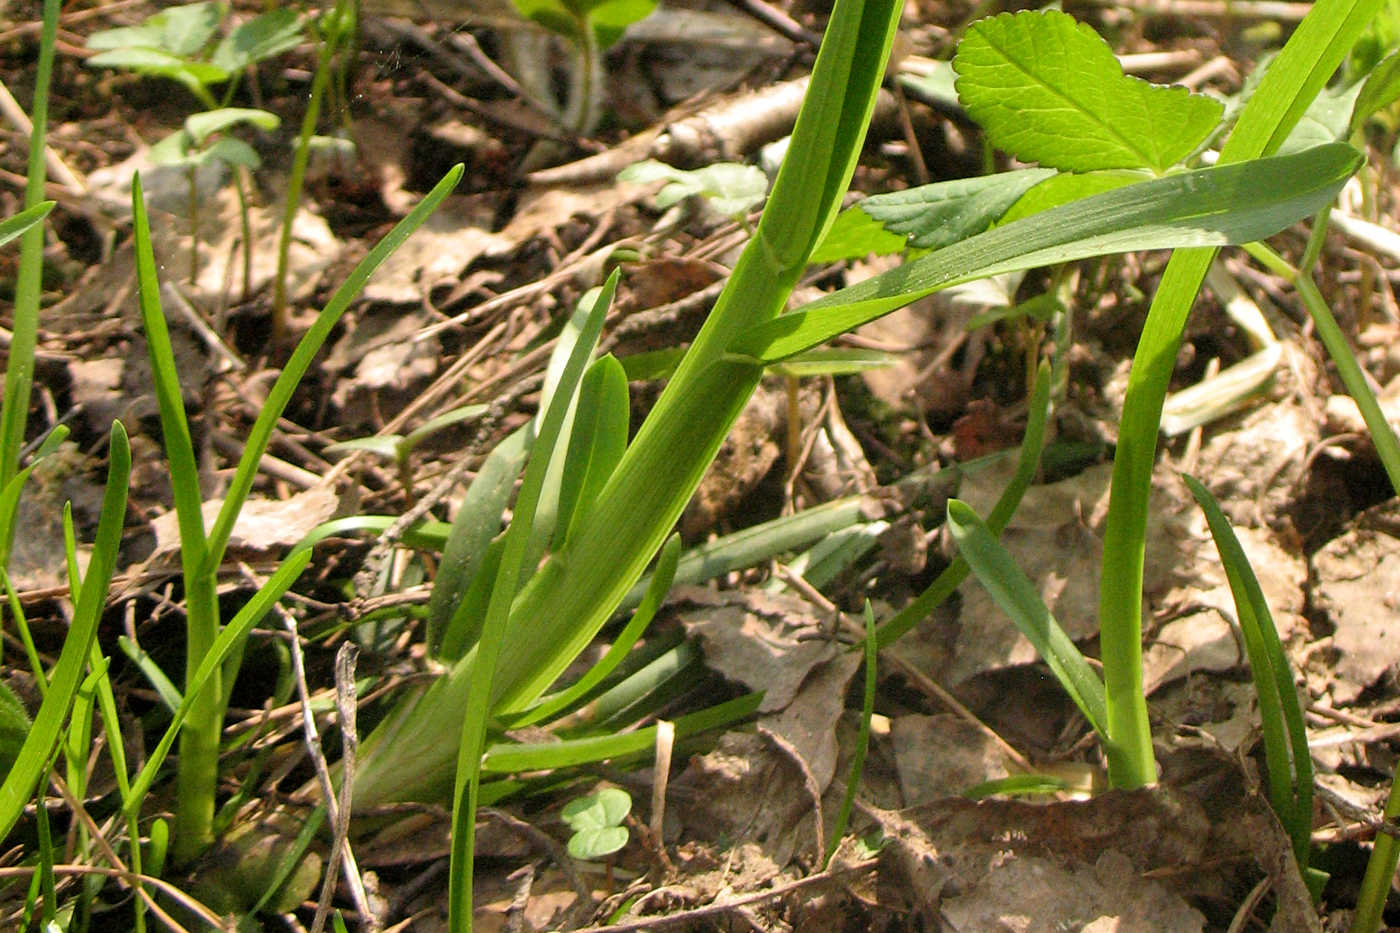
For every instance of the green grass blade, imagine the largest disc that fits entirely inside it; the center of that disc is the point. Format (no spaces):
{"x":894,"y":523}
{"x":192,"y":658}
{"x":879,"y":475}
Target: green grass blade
{"x":12,"y":227}
{"x":1380,"y":872}
{"x":493,"y":630}
{"x":232,"y":635}
{"x":659,"y":585}
{"x":310,"y":344}
{"x":1027,"y":463}
{"x":1017,"y":597}
{"x":87,"y":611}
{"x":1285,"y":736}
{"x":477,"y":521}
{"x":510,"y":759}
{"x":1210,"y":206}
{"x":596,"y":442}
{"x":749,"y":546}
{"x":24,"y":334}
{"x":166,"y":691}
{"x":175,"y":431}
{"x":1294,"y":77}
{"x":14,"y":486}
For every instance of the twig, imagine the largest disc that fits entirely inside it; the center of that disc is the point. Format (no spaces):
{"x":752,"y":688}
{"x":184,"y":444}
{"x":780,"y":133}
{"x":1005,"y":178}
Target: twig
{"x":778,"y":21}
{"x":60,"y":170}
{"x":830,"y":876}
{"x":119,"y":869}
{"x":339,"y":817}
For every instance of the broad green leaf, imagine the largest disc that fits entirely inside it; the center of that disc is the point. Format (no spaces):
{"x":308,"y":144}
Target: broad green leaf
{"x":607,"y":807}
{"x":610,"y":18}
{"x":934,"y":216}
{"x":553,"y":15}
{"x":230,"y":150}
{"x":596,"y":842}
{"x":180,"y":31}
{"x":1069,"y":186}
{"x":260,"y":38}
{"x":855,"y":235}
{"x":1017,"y":597}
{"x":1048,"y":89}
{"x":1212,"y":206}
{"x":12,"y":227}
{"x":1380,"y":89}
{"x":160,"y":63}
{"x":201,"y":126}
{"x":1324,"y":121}
{"x":732,"y":189}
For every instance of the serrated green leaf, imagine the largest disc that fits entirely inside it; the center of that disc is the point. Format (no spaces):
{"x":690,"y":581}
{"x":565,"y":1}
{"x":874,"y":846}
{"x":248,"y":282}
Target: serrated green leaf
{"x":933,"y":216}
{"x":1048,"y":89}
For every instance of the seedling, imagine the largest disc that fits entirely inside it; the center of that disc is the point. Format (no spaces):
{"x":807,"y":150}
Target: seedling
{"x":597,"y":821}
{"x":590,"y":27}
{"x":179,"y":44}
{"x":730,"y":188}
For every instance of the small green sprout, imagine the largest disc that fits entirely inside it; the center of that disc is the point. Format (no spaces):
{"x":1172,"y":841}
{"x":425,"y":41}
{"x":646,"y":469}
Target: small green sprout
{"x":597,"y":823}
{"x":732,"y":189}
{"x":178,"y":43}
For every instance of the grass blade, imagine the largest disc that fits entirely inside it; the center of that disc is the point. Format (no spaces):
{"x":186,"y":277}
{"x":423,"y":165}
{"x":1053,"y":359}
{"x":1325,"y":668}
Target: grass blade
{"x":1285,"y":736}
{"x":1294,"y":77}
{"x":493,"y":630}
{"x":1017,"y":597}
{"x":12,"y":227}
{"x":38,"y":746}
{"x":1210,"y":206}
{"x":951,"y":578}
{"x":310,"y":344}
{"x":867,"y":710}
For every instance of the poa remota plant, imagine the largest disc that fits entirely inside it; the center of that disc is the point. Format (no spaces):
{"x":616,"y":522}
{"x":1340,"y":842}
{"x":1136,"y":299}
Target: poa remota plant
{"x":591,"y":509}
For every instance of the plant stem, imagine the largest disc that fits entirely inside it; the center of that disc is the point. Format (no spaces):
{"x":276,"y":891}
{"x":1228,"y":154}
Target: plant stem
{"x":19,"y":373}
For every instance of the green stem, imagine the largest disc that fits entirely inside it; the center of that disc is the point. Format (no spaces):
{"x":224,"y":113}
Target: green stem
{"x":1380,"y":870}
{"x":298,"y":175}
{"x":19,"y":373}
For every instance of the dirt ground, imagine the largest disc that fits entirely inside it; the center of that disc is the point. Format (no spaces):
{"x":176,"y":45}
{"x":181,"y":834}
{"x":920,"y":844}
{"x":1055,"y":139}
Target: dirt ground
{"x":465,"y":313}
